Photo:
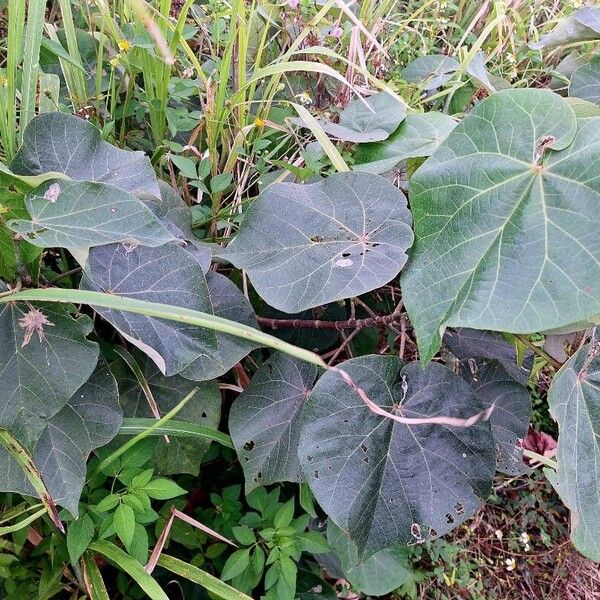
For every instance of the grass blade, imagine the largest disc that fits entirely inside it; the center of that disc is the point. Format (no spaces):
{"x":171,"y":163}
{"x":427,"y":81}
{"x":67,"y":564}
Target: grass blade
{"x":94,"y":584}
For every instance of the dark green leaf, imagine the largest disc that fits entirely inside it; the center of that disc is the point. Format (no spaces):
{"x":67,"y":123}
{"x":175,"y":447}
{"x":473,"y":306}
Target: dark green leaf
{"x":124,"y":521}
{"x":79,"y":536}
{"x":235,"y":564}
{"x":307,"y":245}
{"x":388,"y":483}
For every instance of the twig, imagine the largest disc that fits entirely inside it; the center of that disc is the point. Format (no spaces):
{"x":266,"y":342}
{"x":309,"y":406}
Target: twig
{"x":378,"y":321}
{"x":536,"y":350}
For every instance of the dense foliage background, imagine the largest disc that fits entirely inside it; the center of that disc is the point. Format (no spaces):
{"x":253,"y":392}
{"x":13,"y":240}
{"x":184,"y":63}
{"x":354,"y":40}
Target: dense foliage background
{"x":299,"y":299}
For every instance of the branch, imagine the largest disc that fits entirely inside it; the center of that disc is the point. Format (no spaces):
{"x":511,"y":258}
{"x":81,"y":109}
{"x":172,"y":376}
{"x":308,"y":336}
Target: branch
{"x":378,"y":321}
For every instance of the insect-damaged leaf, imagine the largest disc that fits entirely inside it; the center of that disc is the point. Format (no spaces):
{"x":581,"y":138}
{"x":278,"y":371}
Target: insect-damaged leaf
{"x":384,"y":482}
{"x":418,"y":136}
{"x":506,"y":221}
{"x":366,"y":120}
{"x":585,"y":81}
{"x":264,"y":420}
{"x":63,"y":441}
{"x":78,"y":214}
{"x":56,"y":142}
{"x":181,"y":454}
{"x":170,"y":275}
{"x":45,"y":358}
{"x":307,"y":245}
{"x":574,"y":400}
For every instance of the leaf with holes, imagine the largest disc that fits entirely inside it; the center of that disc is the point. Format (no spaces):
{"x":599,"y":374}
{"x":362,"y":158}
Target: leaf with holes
{"x":60,"y":448}
{"x":170,"y":275}
{"x":306,"y":245}
{"x":264,"y":421}
{"x":387,"y":483}
{"x":79,"y":214}
{"x":179,"y":455}
{"x":45,"y":358}
{"x":377,"y":575}
{"x":60,"y":143}
{"x":574,"y":400}
{"x":506,"y":222}
{"x":585,"y":82}
{"x":418,"y":136}
{"x":366,"y":120}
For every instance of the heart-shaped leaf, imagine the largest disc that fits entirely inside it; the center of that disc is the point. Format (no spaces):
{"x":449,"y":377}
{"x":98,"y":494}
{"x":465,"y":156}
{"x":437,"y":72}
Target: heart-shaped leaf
{"x":56,"y":142}
{"x":180,"y":454}
{"x":307,"y":245}
{"x":574,"y":400}
{"x":76,"y":214}
{"x":418,"y":136}
{"x":61,"y":447}
{"x":366,"y":120}
{"x":585,"y":82}
{"x":229,"y":303}
{"x":45,"y":358}
{"x":517,"y":173}
{"x":264,"y":421}
{"x":384,"y":482}
{"x":168,"y":274}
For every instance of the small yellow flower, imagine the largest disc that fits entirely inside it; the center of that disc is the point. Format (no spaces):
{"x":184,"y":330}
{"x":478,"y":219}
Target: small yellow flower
{"x":304,"y":98}
{"x":259,"y":123}
{"x":124,"y":45}
{"x":3,"y":81}
{"x":511,"y":564}
{"x":115,"y":61}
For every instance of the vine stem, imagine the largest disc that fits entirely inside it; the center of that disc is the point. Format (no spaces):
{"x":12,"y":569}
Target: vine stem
{"x":540,"y":458}
{"x":538,"y":351}
{"x":376,"y":321}
{"x":209,"y":321}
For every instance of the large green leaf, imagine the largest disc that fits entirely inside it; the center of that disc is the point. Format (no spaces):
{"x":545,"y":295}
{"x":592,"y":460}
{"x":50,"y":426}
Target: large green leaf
{"x":78,"y":214}
{"x":228,"y":302}
{"x":169,"y":274}
{"x":180,"y":454}
{"x":384,"y":482}
{"x":45,"y":358}
{"x":585,"y":81}
{"x":90,"y":419}
{"x":581,"y":26}
{"x":366,"y":120}
{"x":506,"y":221}
{"x":56,"y":142}
{"x":307,"y":245}
{"x":376,"y":575}
{"x":574,"y":400}
{"x":419,"y":135}
{"x":264,"y":421}
{"x":430,"y":72}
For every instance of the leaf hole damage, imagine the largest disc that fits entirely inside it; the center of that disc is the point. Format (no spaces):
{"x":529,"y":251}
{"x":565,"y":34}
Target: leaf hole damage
{"x":249,"y":446}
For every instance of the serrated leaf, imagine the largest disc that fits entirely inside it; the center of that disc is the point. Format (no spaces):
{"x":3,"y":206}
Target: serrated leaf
{"x":370,"y":119}
{"x":518,"y":172}
{"x":307,"y":245}
{"x":57,"y":142}
{"x":379,"y":574}
{"x":181,"y":454}
{"x":418,"y":136}
{"x":585,"y":81}
{"x":264,"y":421}
{"x":163,"y":489}
{"x":581,"y":26}
{"x":236,"y":564}
{"x":244,"y":535}
{"x":170,"y":275}
{"x":80,"y":214}
{"x":387,"y":483}
{"x":79,"y":535}
{"x":124,"y":521}
{"x":430,"y":72}
{"x":574,"y":400}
